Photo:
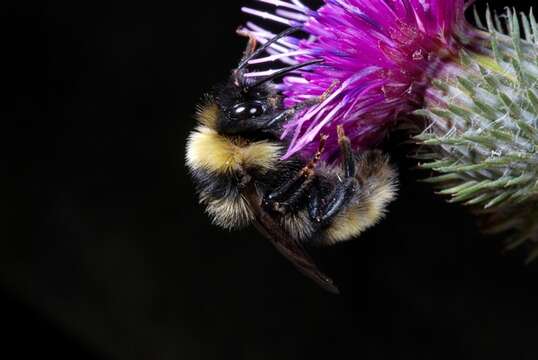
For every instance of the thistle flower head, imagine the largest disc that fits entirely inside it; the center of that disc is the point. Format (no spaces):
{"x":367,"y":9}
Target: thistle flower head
{"x":478,"y":87}
{"x":378,"y":58}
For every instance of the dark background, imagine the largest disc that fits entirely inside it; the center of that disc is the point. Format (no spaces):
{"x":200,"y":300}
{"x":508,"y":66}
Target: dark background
{"x":105,"y":253}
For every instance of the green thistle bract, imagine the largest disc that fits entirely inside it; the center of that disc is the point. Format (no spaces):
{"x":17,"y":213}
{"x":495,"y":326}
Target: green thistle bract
{"x":482,"y":140}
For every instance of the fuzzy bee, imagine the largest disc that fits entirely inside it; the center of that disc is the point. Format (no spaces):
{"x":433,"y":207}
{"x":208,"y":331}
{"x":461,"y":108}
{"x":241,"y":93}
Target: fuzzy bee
{"x":234,"y":156}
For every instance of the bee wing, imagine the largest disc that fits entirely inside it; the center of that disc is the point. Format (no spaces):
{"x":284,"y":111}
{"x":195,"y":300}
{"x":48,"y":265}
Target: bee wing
{"x":290,"y":248}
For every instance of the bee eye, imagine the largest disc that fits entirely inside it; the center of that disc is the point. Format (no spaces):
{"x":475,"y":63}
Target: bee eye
{"x":246,"y":111}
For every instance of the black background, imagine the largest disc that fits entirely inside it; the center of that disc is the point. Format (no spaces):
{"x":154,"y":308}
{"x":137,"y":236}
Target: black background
{"x":105,"y":253}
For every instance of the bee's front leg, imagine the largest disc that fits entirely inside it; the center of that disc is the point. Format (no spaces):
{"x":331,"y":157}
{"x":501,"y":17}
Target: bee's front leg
{"x":293,"y":194}
{"x":313,"y":101}
{"x":289,"y":195}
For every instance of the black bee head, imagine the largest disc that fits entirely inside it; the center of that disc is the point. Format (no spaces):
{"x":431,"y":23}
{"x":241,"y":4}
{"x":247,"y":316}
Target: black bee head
{"x":248,"y":104}
{"x":248,"y":111}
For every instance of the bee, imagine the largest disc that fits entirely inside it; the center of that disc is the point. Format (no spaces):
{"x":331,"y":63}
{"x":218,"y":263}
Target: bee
{"x":234,"y":156}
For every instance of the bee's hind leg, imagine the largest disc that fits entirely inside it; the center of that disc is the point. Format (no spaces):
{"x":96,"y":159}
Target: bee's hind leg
{"x":323,"y":211}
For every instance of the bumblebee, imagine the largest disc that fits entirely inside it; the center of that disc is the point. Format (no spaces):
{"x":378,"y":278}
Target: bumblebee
{"x":234,"y":156}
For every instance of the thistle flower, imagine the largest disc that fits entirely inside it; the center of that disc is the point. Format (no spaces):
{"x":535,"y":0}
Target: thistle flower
{"x":384,"y":60}
{"x":379,"y":57}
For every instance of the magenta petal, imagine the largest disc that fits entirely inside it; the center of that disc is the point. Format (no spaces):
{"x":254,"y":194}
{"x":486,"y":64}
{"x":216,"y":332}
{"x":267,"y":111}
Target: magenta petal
{"x":379,"y":56}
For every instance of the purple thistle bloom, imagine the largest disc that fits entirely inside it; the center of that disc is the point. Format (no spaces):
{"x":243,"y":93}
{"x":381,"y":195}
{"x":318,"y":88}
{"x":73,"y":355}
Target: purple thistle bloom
{"x":379,"y":57}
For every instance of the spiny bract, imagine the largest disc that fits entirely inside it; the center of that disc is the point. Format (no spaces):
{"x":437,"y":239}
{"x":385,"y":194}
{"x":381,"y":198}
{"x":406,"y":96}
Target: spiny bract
{"x":483,"y":138}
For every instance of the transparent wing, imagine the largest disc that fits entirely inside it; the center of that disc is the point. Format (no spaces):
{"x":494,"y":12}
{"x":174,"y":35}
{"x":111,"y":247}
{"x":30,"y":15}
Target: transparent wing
{"x":287,"y":246}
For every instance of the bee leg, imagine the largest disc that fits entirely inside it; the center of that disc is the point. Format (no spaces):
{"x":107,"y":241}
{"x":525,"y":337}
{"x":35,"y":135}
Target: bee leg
{"x":287,"y":196}
{"x":348,"y":161}
{"x":314,"y":204}
{"x":285,"y":115}
{"x":251,"y":45}
{"x":343,"y":190}
{"x":313,"y":101}
{"x":339,"y":198}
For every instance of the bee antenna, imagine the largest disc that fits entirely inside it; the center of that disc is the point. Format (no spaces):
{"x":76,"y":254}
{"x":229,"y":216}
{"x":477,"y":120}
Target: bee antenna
{"x":270,"y":42}
{"x":283,"y":72}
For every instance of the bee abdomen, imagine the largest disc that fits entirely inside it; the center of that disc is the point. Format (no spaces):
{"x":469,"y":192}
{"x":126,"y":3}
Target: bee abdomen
{"x":230,"y":212}
{"x":368,"y":206}
{"x":222,"y":198}
{"x":298,"y":225}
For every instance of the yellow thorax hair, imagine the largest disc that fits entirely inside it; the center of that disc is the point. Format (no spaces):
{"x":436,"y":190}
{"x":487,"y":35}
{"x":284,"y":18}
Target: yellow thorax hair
{"x":209,"y":150}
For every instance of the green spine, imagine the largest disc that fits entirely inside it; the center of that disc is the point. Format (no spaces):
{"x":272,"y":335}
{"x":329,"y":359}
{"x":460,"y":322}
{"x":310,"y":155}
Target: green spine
{"x":482,"y":139}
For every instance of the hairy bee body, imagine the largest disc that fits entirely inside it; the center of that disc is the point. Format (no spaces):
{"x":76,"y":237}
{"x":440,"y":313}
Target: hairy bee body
{"x":222,"y":167}
{"x":235,"y":158}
